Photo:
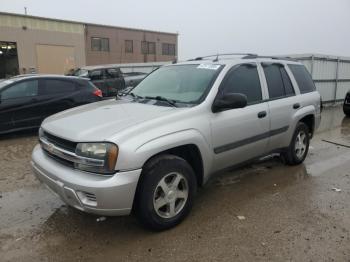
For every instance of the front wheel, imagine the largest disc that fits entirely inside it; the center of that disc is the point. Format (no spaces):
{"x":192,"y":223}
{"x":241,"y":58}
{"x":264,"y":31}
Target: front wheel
{"x":165,"y":193}
{"x":299,"y":146}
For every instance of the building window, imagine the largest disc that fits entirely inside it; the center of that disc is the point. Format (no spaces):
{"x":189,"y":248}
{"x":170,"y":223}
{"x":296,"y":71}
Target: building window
{"x":148,"y":48}
{"x":129,"y":46}
{"x":151,"y":48}
{"x":144,"y":47}
{"x":99,"y":44}
{"x":168,"y":49}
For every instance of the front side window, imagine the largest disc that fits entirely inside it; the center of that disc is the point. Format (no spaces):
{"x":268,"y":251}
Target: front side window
{"x":181,"y":83}
{"x":278,"y":82}
{"x":303,"y":78}
{"x":96,"y":75}
{"x":112,"y":73}
{"x":22,"y":89}
{"x":99,"y":44}
{"x":244,"y":80}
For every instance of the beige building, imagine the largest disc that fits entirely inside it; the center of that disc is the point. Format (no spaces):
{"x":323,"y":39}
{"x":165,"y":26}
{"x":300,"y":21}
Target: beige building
{"x":43,"y":45}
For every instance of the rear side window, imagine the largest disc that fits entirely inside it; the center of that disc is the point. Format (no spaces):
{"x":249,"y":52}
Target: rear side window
{"x":53,"y":86}
{"x":278,"y":82}
{"x":244,"y":80}
{"x":303,"y":78}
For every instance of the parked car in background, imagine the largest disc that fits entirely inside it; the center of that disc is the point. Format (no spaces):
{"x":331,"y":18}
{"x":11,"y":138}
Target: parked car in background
{"x":346,"y":105}
{"x":114,"y":78}
{"x":150,"y":149}
{"x":133,"y":78}
{"x":25,"y":101}
{"x":108,"y":79}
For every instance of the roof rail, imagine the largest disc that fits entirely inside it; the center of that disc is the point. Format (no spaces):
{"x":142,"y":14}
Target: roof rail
{"x":218,"y":55}
{"x":272,"y":57}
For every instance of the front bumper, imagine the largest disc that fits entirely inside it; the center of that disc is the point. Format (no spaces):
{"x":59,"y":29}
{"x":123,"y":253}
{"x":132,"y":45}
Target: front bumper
{"x":97,"y":194}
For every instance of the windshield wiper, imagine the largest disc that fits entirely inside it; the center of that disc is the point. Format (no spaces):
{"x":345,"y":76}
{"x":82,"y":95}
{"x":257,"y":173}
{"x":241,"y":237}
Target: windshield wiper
{"x":162,"y":98}
{"x":136,"y":97}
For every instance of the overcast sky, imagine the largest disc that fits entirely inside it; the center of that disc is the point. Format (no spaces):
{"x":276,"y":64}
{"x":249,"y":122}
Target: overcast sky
{"x":208,"y":27}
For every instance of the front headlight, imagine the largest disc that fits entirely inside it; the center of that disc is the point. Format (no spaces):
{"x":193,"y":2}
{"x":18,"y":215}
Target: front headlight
{"x":107,"y":153}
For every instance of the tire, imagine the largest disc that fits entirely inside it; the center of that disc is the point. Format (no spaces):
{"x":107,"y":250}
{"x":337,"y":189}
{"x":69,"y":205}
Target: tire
{"x":163,"y":184}
{"x":295,"y":155}
{"x":346,"y":111}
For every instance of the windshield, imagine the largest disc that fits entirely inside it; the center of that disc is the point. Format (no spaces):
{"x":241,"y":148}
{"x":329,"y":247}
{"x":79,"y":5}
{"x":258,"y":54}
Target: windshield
{"x":81,"y":72}
{"x":179,"y":83}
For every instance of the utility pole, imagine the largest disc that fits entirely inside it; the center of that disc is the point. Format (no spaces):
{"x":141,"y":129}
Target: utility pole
{"x":25,"y":10}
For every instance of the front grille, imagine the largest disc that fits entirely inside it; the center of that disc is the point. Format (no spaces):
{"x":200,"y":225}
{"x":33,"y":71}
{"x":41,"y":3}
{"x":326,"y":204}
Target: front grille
{"x":60,"y":142}
{"x":60,"y":160}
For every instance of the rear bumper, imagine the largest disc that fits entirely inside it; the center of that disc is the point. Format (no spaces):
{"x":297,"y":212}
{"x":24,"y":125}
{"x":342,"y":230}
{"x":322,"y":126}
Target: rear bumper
{"x":97,"y":194}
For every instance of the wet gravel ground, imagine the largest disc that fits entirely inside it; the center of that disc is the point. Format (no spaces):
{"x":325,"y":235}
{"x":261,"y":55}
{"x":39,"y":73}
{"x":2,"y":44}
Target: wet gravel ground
{"x":291,"y":213}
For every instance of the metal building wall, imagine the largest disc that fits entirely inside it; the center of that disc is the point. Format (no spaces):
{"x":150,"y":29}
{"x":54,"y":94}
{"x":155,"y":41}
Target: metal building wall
{"x":331,"y":75}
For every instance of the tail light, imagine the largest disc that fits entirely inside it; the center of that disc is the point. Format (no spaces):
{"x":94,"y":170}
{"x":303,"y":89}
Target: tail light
{"x":97,"y":92}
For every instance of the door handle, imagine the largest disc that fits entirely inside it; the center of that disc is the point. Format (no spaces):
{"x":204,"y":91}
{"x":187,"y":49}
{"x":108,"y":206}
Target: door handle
{"x":262,"y":114}
{"x":296,"y":106}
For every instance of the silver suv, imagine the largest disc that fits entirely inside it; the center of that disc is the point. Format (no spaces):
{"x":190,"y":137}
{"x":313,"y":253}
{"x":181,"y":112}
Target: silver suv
{"x":150,"y":149}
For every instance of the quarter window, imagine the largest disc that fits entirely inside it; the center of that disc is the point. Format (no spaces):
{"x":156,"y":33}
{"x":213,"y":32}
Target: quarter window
{"x":23,"y":89}
{"x":278,"y":81}
{"x":244,"y":80}
{"x":303,"y":78}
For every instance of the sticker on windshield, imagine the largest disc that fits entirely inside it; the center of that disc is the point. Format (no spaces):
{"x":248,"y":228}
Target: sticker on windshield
{"x":208,"y":66}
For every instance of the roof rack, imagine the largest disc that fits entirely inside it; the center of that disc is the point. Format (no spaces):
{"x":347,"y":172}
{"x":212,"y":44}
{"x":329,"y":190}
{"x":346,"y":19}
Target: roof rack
{"x":218,"y":55}
{"x":272,"y":57}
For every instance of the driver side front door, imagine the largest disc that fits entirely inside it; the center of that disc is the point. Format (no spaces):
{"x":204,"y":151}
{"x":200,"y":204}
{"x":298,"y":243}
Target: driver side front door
{"x":240,"y":134}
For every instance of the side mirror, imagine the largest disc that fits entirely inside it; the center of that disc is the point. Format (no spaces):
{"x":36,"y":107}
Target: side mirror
{"x":230,"y":101}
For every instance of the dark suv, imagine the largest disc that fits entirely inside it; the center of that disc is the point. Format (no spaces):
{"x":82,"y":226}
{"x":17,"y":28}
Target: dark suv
{"x":109,"y":79}
{"x":26,"y":100}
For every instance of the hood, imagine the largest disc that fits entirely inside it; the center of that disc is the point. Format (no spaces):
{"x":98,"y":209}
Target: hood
{"x":98,"y":121}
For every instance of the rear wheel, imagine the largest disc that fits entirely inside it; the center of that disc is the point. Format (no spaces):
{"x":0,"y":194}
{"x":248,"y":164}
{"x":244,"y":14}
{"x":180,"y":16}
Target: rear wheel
{"x":299,"y":146}
{"x":165,"y":193}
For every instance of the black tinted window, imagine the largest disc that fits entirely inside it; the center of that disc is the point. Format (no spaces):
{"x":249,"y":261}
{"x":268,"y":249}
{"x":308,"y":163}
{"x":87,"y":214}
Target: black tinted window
{"x":288,"y":87}
{"x":96,"y":75}
{"x":22,"y":89}
{"x":274,"y":81}
{"x":303,"y":78}
{"x":278,"y":82}
{"x":112,"y":73}
{"x":244,"y":80}
{"x":53,"y":86}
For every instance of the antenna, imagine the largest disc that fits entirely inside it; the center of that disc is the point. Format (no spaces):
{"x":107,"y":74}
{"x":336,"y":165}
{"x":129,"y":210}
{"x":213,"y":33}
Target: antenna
{"x":25,"y":10}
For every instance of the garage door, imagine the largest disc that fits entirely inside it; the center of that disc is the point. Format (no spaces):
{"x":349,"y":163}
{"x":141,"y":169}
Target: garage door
{"x":55,"y":59}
